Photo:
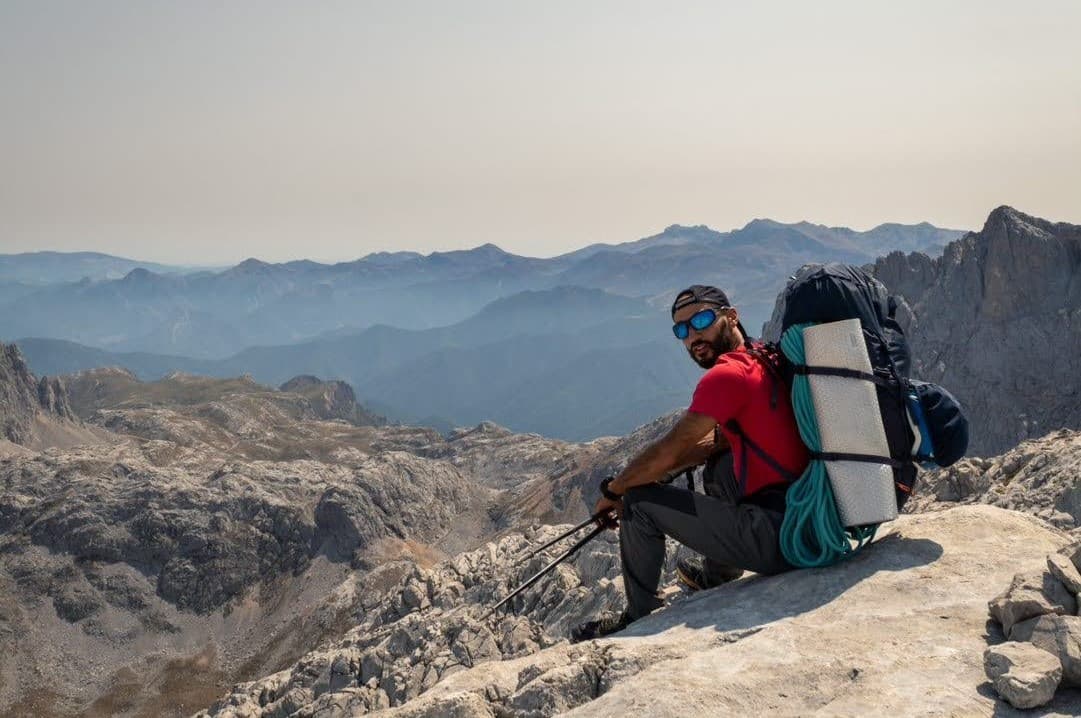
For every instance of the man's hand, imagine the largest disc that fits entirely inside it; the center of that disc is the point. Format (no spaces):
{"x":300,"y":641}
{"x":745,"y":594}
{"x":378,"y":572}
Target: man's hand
{"x":612,"y":512}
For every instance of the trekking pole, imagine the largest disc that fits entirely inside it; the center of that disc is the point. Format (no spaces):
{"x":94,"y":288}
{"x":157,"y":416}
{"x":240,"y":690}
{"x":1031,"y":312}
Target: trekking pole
{"x":567,"y":533}
{"x":533,"y":579}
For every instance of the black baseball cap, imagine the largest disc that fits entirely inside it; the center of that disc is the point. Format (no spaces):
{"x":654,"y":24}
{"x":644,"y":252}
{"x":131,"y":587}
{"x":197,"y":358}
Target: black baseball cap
{"x":704,"y":294}
{"x":700,"y":294}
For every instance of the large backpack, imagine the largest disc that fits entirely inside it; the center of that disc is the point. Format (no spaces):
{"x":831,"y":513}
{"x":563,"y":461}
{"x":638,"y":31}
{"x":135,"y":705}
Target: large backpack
{"x":833,"y":292}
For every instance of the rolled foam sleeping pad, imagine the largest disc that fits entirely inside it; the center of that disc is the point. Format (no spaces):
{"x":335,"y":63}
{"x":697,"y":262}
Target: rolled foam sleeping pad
{"x":849,"y":421}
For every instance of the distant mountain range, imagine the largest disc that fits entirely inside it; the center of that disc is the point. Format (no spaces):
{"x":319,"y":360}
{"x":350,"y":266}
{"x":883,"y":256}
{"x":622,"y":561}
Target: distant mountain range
{"x":563,"y":362}
{"x":42,"y":268}
{"x":216,"y":314}
{"x":29,"y":272}
{"x":574,"y":347}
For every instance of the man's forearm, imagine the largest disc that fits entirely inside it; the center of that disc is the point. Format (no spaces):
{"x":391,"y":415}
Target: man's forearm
{"x":690,"y":438}
{"x":649,"y":467}
{"x":700,"y":452}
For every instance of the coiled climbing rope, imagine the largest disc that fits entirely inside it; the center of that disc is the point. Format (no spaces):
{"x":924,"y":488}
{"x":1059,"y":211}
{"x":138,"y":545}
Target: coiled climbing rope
{"x":812,"y":534}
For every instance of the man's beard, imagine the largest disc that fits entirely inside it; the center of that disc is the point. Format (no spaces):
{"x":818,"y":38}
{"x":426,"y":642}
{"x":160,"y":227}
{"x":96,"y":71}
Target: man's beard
{"x":720,"y":345}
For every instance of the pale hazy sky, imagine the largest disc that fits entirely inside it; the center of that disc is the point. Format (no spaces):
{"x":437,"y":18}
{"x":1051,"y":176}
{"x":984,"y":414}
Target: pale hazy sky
{"x":202,"y":132}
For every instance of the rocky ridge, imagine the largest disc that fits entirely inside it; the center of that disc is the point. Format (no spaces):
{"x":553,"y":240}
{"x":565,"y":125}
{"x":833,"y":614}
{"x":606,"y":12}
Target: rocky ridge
{"x":1039,"y":614}
{"x":24,"y":399}
{"x":1015,"y":286}
{"x":332,"y":400}
{"x":755,"y":645}
{"x":1041,"y":477}
{"x":222,"y":531}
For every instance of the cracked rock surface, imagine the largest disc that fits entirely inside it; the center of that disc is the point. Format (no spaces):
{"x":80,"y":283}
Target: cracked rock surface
{"x":218,"y":531}
{"x":897,"y":630}
{"x":433,"y":624}
{"x":1040,"y":477}
{"x":1014,"y":380}
{"x":1023,"y":674}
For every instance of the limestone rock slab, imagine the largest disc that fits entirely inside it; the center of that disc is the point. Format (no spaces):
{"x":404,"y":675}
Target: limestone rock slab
{"x":1059,"y":635}
{"x":1063,"y":569}
{"x":1031,"y":594}
{"x":813,"y":642}
{"x":1023,"y":674}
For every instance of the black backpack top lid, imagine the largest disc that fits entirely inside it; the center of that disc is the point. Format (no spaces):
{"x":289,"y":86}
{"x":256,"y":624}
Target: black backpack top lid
{"x":833,"y":292}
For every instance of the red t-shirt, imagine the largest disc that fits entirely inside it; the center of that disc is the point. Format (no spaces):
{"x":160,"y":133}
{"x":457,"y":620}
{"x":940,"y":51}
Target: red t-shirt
{"x":739,"y":387}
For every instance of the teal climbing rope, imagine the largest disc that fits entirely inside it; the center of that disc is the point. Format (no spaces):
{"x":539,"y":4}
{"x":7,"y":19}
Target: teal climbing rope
{"x":812,"y":534}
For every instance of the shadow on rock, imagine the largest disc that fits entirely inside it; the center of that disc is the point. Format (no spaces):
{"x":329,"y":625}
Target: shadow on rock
{"x":759,"y":600}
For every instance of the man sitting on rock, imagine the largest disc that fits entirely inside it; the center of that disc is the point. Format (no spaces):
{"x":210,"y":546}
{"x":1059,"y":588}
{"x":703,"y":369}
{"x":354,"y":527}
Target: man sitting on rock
{"x":738,"y":406}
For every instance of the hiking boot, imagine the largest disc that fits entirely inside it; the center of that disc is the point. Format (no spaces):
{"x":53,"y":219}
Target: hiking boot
{"x":698,"y":574}
{"x":609,"y":623}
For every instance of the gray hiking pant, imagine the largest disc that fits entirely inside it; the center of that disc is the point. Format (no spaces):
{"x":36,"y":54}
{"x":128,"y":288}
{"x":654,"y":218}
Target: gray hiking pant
{"x":725,"y":531}
{"x":719,"y":479}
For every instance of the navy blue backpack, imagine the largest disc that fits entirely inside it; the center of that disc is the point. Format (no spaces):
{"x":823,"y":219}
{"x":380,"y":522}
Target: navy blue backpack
{"x":834,"y":292}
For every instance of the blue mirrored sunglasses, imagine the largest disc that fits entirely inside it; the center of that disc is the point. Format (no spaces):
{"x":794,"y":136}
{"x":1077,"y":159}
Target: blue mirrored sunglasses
{"x":700,"y":320}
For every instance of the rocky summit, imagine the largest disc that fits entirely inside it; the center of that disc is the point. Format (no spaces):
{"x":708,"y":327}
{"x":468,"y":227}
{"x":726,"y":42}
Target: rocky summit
{"x":214,"y":531}
{"x":900,"y":629}
{"x":33,"y":412}
{"x":997,"y":320}
{"x":229,"y":553}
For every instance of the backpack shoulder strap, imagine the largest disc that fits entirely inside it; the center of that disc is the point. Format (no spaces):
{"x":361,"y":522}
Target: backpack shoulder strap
{"x":745,"y":442}
{"x":770,"y":357}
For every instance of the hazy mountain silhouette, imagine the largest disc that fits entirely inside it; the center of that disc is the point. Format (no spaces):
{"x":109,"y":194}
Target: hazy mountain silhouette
{"x":575,"y":346}
{"x":216,"y":314}
{"x":41,"y":268}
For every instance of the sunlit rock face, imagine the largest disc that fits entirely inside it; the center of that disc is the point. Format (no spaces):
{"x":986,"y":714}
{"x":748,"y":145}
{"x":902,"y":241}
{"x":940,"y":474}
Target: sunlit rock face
{"x":997,"y":320}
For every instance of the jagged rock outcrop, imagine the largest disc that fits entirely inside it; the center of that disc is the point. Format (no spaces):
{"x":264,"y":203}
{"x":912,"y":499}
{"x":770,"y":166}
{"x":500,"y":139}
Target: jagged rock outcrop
{"x":432,"y":625}
{"x":997,"y":319}
{"x":332,"y":400}
{"x":24,"y":398}
{"x":224,"y":531}
{"x":53,"y":398}
{"x":854,"y":639}
{"x":1041,"y":477}
{"x":1037,"y":611}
